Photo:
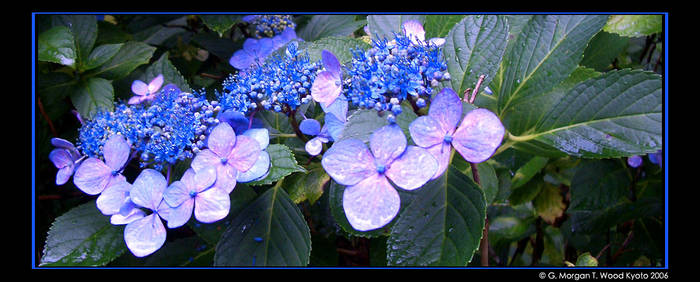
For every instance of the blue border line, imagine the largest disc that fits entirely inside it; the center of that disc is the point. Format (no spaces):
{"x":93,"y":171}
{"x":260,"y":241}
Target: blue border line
{"x":665,"y":160}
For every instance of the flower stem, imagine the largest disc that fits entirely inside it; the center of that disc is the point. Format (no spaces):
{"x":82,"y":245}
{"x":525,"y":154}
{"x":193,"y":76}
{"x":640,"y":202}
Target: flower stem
{"x":46,"y":117}
{"x":484,"y":244}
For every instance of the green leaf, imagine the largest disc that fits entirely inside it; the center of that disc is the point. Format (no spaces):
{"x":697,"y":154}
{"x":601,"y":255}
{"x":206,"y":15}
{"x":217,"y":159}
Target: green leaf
{"x":527,"y":192}
{"x":307,"y":186}
{"x":475,"y":47}
{"x":178,"y":253}
{"x":603,"y":49}
{"x":361,"y":124}
{"x":282,"y":163}
{"x":586,"y":259}
{"x":598,"y":184}
{"x":506,"y":229}
{"x":220,"y":23}
{"x":84,"y":30}
{"x":157,"y":34}
{"x":634,"y":25}
{"x":83,"y":237}
{"x":339,"y":46}
{"x":241,"y":196}
{"x":56,"y":45}
{"x":109,"y":33}
{"x":545,"y":53}
{"x":101,"y":55}
{"x":527,"y":171}
{"x":549,"y":203}
{"x":220,"y":47}
{"x":167,"y":69}
{"x":95,"y":95}
{"x":271,"y":231}
{"x":440,"y":25}
{"x":442,"y":226}
{"x":384,"y":26}
{"x":321,"y":26}
{"x":53,"y":88}
{"x":488,"y":179}
{"x":613,"y":115}
{"x":129,"y":57}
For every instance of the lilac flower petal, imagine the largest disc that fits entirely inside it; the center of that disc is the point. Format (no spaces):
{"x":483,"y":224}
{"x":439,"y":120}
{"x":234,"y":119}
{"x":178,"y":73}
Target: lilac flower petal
{"x":204,"y":159}
{"x":145,"y":236}
{"x":135,"y":100}
{"x":371,"y":204}
{"x":204,"y":178}
{"x":139,"y":87}
{"x":177,"y":193}
{"x":226,"y":177}
{"x":330,"y":63}
{"x":310,"y":127}
{"x":62,"y":143}
{"x":221,"y":139}
{"x":326,"y":88}
{"x":164,"y":210}
{"x":127,"y":206}
{"x":116,"y":152}
{"x":414,"y":30}
{"x":339,"y":108}
{"x":441,"y":152}
{"x":131,"y":216}
{"x":333,"y":126}
{"x":262,"y":135}
{"x":437,"y":41}
{"x":314,"y":146}
{"x":259,"y":169}
{"x":63,"y":175}
{"x":241,"y":59}
{"x":387,"y":143}
{"x":237,"y":120}
{"x":112,"y":198}
{"x":179,"y":215}
{"x":92,"y":176}
{"x":171,"y":87}
{"x":478,"y":136}
{"x":249,"y":18}
{"x":61,"y":158}
{"x":446,"y":109}
{"x":634,"y":161}
{"x":349,"y":162}
{"x":147,"y":190}
{"x":265,"y":47}
{"x":155,"y":84}
{"x":211,"y":205}
{"x":426,"y":131}
{"x":245,"y":153}
{"x":413,"y":168}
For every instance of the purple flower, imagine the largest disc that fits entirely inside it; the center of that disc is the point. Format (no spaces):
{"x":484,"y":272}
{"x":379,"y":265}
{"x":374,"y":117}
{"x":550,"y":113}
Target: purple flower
{"x":414,"y":30}
{"x":476,"y":138}
{"x":94,"y":175}
{"x":656,"y":158}
{"x":335,"y":119}
{"x":327,"y":85}
{"x":254,"y":51}
{"x":261,"y":168}
{"x":287,"y":35}
{"x":228,"y":154}
{"x":369,"y":200}
{"x":145,"y":235}
{"x":145,"y":92}
{"x":196,"y":191}
{"x":634,"y":161}
{"x":66,"y":158}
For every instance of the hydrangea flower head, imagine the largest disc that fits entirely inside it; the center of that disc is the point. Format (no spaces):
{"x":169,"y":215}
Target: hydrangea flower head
{"x":476,"y":138}
{"x":66,"y":158}
{"x":146,"y":234}
{"x":228,"y":154}
{"x":195,"y":191}
{"x":369,"y":200}
{"x":634,"y":161}
{"x":94,"y":175}
{"x":328,"y":84}
{"x":124,"y":120}
{"x":270,"y":25}
{"x":145,"y":92}
{"x":254,"y":52}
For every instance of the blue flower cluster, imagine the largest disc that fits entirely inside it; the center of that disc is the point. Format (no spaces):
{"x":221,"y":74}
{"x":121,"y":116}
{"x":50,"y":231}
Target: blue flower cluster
{"x":172,"y":127}
{"x":282,"y":84}
{"x":390,"y":72}
{"x":270,"y":25}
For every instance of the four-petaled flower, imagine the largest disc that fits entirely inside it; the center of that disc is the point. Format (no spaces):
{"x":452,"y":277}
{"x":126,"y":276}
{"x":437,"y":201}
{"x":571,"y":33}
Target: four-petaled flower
{"x":254,"y":51}
{"x":369,"y":200}
{"x":94,"y":175}
{"x":228,"y":154}
{"x":146,"y":234}
{"x":196,"y":191}
{"x":66,"y":158}
{"x":334,"y":123}
{"x":476,"y":138}
{"x":328,"y":85}
{"x":145,"y":92}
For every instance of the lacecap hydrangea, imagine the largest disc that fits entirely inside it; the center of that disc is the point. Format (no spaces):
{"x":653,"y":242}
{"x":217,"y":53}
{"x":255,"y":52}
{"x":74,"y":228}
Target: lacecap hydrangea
{"x":270,"y":25}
